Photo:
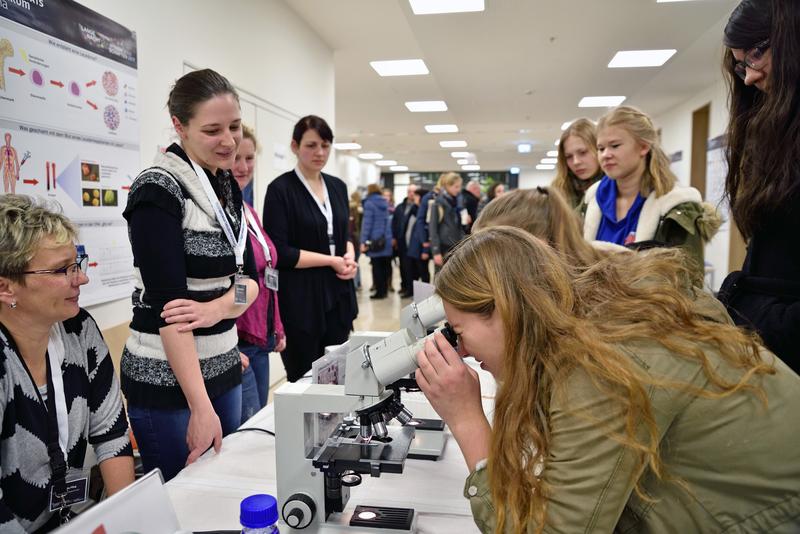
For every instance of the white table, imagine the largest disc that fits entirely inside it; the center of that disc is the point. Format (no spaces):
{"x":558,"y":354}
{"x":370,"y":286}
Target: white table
{"x":206,"y":495}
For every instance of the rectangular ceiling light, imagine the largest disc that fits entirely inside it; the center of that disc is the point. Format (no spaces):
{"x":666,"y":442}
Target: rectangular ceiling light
{"x":514,"y":170}
{"x":370,"y":155}
{"x":565,"y":125}
{"x":426,"y":106}
{"x":524,"y":148}
{"x":545,"y":167}
{"x":600,"y":101}
{"x":459,"y":154}
{"x":400,"y":67}
{"x":452,"y":144}
{"x":552,"y":153}
{"x":471,"y":167}
{"x":464,"y":161}
{"x":549,"y":161}
{"x":386,"y":162}
{"x":398,"y":168}
{"x":640,"y":58}
{"x":441,"y":128}
{"x":434,"y":7}
{"x":346,"y":146}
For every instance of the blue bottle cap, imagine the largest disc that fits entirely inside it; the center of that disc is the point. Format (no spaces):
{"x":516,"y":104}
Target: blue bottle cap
{"x":258,"y":511}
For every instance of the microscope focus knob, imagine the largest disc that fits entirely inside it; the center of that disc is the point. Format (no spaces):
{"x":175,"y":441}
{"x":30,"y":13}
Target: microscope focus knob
{"x":299,"y":510}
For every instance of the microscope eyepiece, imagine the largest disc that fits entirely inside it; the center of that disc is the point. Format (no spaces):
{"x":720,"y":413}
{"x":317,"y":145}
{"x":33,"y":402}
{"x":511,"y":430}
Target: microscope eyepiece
{"x":450,"y":335}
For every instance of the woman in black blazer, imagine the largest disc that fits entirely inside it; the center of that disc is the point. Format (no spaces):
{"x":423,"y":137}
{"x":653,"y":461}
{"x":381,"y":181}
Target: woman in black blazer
{"x":306,"y":215}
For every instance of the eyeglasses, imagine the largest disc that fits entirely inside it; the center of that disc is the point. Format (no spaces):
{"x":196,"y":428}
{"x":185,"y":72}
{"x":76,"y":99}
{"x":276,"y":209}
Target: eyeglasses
{"x":753,"y":59}
{"x":70,"y":270}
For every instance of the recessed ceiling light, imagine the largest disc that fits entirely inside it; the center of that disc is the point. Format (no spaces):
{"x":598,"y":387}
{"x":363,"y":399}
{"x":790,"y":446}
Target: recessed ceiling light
{"x":459,"y":154}
{"x":386,"y":162}
{"x":462,"y":161}
{"x":600,"y":101}
{"x":565,"y":125}
{"x":426,"y":106}
{"x":441,"y":128}
{"x":558,"y":142}
{"x":552,"y":153}
{"x":549,"y":161}
{"x":398,"y":168}
{"x":400,"y":67}
{"x":433,"y":7}
{"x":524,"y":148}
{"x":347,"y":146}
{"x":640,"y":58}
{"x":452,"y":144}
{"x":370,"y":155}
{"x":471,"y":167}
{"x":514,"y":170}
{"x":545,"y":167}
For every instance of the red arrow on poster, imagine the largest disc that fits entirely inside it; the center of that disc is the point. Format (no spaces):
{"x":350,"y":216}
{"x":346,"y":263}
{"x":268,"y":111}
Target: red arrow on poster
{"x":92,"y":264}
{"x":56,"y":82}
{"x":16,"y":71}
{"x":91,"y":104}
{"x":89,"y":84}
{"x":32,"y":181}
{"x":126,"y":187}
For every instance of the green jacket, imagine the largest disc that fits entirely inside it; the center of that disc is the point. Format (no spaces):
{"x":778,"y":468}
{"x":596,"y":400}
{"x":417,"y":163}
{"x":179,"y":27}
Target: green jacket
{"x":740,"y":460}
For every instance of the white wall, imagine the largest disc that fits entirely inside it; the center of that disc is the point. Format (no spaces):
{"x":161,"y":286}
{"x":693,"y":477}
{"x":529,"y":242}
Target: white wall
{"x":530,"y":179}
{"x":355,"y":172}
{"x":261,"y":46}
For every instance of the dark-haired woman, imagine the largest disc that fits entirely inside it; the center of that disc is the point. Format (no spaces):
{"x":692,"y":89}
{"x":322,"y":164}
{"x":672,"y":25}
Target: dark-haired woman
{"x":195,"y":274}
{"x":306,"y":215}
{"x":762,"y":66}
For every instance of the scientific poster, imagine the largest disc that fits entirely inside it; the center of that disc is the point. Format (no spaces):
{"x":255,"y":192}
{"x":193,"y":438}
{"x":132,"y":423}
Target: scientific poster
{"x":68,"y":125}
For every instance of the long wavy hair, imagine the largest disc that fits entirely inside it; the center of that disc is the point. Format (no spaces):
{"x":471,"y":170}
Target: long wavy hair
{"x":565,"y":180}
{"x":558,"y":320}
{"x":763,"y":137}
{"x":657,"y":175}
{"x":544,"y":213}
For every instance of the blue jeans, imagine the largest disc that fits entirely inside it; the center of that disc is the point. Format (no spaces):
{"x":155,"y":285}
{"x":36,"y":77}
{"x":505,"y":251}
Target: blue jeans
{"x":255,"y":379}
{"x":161,"y":434}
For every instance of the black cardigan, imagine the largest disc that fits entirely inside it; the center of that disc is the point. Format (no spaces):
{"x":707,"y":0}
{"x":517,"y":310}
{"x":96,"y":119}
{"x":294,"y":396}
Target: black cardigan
{"x":294,"y":222}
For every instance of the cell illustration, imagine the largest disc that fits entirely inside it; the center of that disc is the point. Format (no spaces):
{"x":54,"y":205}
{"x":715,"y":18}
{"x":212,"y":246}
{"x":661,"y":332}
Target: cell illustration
{"x":6,"y":50}
{"x":36,"y":77}
{"x":110,"y":83}
{"x":74,"y":89}
{"x":111,"y":117}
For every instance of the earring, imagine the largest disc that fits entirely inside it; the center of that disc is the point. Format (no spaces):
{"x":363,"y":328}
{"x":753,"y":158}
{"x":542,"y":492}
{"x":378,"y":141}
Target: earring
{"x":13,"y":304}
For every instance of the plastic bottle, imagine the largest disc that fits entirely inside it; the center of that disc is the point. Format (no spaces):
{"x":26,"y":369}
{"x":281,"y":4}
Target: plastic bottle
{"x":259,"y":514}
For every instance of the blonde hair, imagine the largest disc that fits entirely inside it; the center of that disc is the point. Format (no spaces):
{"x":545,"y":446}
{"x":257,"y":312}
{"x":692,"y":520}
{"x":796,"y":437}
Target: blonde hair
{"x":657,"y":175}
{"x":585,"y":130}
{"x":248,"y":133}
{"x":558,"y":320}
{"x":24,"y":223}
{"x":373,"y":188}
{"x":543,"y":213}
{"x":449,"y":178}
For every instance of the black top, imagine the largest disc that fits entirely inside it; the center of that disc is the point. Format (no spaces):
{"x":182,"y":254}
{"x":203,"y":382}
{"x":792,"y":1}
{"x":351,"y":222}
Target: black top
{"x":471,"y":205}
{"x":294,"y":222}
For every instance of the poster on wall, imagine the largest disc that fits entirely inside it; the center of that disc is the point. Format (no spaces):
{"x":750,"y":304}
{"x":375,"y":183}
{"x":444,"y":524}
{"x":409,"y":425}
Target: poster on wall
{"x":68,"y":125}
{"x":718,"y":250}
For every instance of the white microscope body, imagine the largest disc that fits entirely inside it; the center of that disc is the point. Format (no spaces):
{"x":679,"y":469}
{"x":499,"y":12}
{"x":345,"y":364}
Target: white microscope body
{"x":313,"y":453}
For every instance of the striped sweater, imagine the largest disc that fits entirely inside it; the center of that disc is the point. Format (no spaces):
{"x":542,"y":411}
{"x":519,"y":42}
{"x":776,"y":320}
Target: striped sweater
{"x":179,"y":251}
{"x":95,"y":413}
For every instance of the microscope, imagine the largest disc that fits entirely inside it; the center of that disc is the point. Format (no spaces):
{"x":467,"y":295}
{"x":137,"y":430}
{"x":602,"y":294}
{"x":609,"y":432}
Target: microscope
{"x":328,"y":435}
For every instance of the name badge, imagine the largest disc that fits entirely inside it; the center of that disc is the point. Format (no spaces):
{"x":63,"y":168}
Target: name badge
{"x":239,"y":290}
{"x":271,"y":278}
{"x":76,"y":491}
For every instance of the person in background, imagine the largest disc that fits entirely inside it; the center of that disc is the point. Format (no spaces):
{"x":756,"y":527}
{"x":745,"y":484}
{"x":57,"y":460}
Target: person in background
{"x":194,"y":275}
{"x":615,"y":393}
{"x":354,"y":230}
{"x":306,"y":215}
{"x":578,"y":167}
{"x":762,"y":67}
{"x":471,"y":195}
{"x":260,"y":328}
{"x":376,"y":239}
{"x":57,"y":382}
{"x":495,"y":190}
{"x":388,"y":194}
{"x":639,"y":203}
{"x":418,"y":250}
{"x":400,"y":222}
{"x":445,"y":222}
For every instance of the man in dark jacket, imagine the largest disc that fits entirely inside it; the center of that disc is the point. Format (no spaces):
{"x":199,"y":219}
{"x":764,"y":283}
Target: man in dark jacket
{"x":472,"y":196}
{"x":399,"y":225}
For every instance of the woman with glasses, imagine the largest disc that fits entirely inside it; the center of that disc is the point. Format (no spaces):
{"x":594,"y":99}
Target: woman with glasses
{"x":58,"y":390}
{"x":762,"y":65}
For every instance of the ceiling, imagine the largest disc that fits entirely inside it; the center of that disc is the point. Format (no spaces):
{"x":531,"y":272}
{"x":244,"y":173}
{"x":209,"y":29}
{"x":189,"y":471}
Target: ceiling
{"x":510,"y":74}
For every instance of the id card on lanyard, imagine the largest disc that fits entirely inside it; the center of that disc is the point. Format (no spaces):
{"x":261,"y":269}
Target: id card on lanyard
{"x":237,"y":244}
{"x":324,"y":207}
{"x":270,"y":273}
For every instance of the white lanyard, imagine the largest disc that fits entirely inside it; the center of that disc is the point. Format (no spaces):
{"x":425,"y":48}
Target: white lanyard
{"x":237,"y":245}
{"x":55,"y":352}
{"x":251,"y":220}
{"x":324,"y":207}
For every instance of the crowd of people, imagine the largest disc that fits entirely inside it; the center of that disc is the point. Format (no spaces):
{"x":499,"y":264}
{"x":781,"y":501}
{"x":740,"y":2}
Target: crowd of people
{"x":629,"y":398}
